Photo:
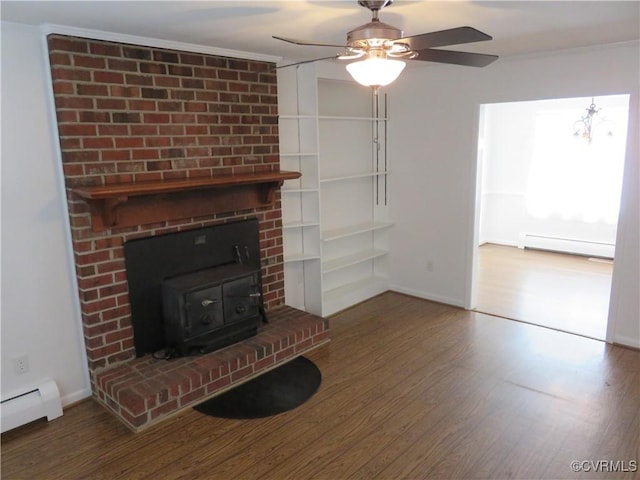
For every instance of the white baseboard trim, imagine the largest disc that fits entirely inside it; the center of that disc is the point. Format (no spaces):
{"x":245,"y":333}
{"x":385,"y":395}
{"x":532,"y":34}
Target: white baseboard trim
{"x":75,"y":397}
{"x":427,"y":296}
{"x":506,"y":243}
{"x":626,"y":341}
{"x":566,"y":245}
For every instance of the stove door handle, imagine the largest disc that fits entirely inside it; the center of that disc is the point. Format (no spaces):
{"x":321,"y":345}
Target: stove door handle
{"x":206,"y":302}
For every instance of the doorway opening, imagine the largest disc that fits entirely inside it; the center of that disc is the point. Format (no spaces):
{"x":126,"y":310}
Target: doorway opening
{"x":549,"y":198}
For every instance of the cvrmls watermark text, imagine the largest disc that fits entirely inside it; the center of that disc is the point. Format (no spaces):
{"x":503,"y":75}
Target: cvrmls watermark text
{"x":601,"y":466}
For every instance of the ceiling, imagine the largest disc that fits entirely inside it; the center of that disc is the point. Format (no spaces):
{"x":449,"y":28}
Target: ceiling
{"x":517,"y":27}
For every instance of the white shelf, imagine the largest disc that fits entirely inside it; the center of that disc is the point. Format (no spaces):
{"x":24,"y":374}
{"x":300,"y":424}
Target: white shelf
{"x":356,"y":119}
{"x":301,"y":257}
{"x":338,"y":233}
{"x":351,"y":293}
{"x":352,"y":259}
{"x":300,"y":154}
{"x":351,"y":177}
{"x":299,"y":190}
{"x":333,"y":294}
{"x":297,"y":117}
{"x":332,"y":117}
{"x":300,"y":224}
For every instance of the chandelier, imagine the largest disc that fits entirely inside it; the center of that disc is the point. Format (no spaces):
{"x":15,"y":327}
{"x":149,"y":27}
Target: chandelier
{"x":585,"y":127}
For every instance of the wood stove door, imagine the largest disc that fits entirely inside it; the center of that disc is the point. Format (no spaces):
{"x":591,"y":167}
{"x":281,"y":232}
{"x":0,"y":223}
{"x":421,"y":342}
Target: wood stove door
{"x":203,"y":311}
{"x":241,"y":298}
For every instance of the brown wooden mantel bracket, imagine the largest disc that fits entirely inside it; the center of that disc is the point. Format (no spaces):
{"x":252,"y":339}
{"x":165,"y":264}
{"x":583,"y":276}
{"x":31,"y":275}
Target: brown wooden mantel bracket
{"x":269,"y":191}
{"x":130,"y":204}
{"x":110,"y":209}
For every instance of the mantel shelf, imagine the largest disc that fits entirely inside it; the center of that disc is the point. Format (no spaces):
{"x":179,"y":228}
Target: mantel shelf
{"x":129,"y":204}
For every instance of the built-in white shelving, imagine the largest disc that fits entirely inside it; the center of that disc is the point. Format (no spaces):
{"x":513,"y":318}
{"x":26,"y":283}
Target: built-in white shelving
{"x":298,"y":190}
{"x":300,"y":257}
{"x":338,"y":233}
{"x":339,"y":293}
{"x":300,"y":224}
{"x":336,"y":216}
{"x":298,"y":117}
{"x":353,"y":259}
{"x":354,"y":176}
{"x":351,"y":119}
{"x":349,"y":294}
{"x":300,"y":154}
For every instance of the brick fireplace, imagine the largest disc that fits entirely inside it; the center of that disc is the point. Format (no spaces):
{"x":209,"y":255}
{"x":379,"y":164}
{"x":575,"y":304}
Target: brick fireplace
{"x":132,"y":120}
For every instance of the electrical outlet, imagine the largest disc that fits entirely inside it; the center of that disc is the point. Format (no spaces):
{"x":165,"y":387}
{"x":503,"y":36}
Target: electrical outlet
{"x":21,"y":364}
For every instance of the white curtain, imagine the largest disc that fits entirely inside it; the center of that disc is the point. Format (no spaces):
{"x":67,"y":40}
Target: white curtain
{"x":571,"y":178}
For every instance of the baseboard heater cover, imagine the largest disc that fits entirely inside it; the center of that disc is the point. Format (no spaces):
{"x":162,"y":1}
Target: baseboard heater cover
{"x":32,"y":404}
{"x":566,"y":245}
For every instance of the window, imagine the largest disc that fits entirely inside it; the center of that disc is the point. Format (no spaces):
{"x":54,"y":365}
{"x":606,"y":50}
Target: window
{"x":572,"y":178}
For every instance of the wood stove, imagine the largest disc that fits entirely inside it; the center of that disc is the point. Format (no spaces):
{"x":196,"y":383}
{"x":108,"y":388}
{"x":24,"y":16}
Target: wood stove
{"x":195,"y":291}
{"x":212,"y":308}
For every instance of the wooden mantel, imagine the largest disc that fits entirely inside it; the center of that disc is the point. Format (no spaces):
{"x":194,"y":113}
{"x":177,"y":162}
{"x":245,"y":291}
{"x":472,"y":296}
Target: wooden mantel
{"x":129,"y":204}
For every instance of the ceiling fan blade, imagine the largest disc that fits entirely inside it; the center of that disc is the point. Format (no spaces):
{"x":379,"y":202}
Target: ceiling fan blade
{"x":306,"y":42}
{"x":456,"y":58}
{"x":308,"y":61}
{"x":442,"y":38}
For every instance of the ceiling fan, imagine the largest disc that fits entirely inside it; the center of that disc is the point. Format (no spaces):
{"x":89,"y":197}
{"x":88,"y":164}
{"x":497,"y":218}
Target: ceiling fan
{"x":379,"y":49}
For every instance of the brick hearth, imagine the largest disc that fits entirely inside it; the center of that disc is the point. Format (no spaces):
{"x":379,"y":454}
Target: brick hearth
{"x":144,"y":391}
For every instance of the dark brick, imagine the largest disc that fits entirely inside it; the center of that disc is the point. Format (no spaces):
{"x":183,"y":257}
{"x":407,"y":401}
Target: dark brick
{"x":192,"y":83}
{"x":137,"y":53}
{"x":154,"y":93}
{"x":125,"y":117}
{"x":155,"y":68}
{"x":67,"y":44}
{"x":106,"y":49}
{"x":163,"y":56}
{"x":180,"y":70}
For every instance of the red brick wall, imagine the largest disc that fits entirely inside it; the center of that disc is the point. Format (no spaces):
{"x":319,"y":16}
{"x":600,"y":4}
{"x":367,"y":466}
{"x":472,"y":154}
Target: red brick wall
{"x":130,"y":113}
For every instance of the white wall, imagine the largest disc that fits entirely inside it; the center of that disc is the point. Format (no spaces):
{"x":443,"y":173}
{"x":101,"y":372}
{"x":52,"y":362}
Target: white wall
{"x":507,"y":159}
{"x":433,"y":136}
{"x":624,"y":316}
{"x":40,"y":315}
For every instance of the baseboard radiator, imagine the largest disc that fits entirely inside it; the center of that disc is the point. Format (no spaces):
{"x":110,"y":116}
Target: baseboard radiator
{"x":32,"y":404}
{"x":566,"y":245}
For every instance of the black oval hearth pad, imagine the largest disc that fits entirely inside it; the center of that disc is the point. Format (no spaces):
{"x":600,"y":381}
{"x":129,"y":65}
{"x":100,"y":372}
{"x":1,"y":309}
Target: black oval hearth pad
{"x":276,"y":391}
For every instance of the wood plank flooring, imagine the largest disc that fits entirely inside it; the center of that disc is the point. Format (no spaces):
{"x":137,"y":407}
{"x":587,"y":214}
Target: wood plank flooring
{"x":411,"y":390}
{"x":565,"y":292}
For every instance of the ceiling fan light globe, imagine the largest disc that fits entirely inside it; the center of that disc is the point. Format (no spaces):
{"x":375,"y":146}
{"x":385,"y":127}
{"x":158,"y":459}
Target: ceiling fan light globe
{"x":375,"y":72}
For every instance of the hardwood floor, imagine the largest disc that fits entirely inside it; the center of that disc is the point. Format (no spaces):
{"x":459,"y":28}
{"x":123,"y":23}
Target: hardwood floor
{"x":411,"y":389}
{"x":565,"y":292}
